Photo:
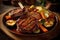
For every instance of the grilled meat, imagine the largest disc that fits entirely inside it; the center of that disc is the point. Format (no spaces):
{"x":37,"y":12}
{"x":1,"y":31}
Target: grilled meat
{"x":26,"y":24}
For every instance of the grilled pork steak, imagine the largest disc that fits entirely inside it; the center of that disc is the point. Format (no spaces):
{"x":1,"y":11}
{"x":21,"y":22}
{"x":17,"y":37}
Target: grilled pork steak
{"x":26,"y":24}
{"x":27,"y":21}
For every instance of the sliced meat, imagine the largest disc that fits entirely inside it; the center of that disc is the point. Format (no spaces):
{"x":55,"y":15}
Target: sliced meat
{"x":31,"y":20}
{"x":30,"y":26}
{"x":19,"y":22}
{"x":26,"y":22}
{"x":16,"y":13}
{"x":22,"y":21}
{"x":17,"y":10}
{"x":36,"y":15}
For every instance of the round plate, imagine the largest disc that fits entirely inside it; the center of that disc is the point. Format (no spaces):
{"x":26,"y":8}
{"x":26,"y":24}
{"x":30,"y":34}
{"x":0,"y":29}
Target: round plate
{"x":48,"y":35}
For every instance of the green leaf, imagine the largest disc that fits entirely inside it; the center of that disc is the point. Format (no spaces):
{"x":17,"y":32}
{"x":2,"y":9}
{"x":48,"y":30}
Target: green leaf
{"x":43,"y":21}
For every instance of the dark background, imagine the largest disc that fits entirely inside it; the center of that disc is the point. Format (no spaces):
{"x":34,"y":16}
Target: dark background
{"x":55,"y":7}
